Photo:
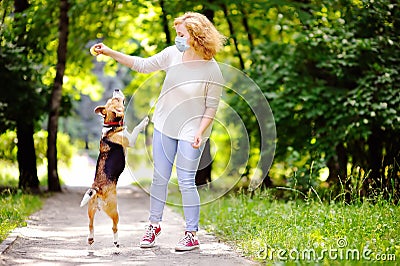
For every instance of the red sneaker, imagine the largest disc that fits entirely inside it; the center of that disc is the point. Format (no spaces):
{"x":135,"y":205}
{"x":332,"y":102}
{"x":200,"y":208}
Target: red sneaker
{"x":149,"y":238}
{"x":188,"y":242}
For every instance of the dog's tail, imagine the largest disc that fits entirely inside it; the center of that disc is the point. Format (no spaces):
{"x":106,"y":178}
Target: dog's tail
{"x":90,"y":193}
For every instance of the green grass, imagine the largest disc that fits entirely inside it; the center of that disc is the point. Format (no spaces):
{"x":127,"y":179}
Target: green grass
{"x":15,"y":206}
{"x":302,"y":231}
{"x":274,"y":231}
{"x":15,"y":209}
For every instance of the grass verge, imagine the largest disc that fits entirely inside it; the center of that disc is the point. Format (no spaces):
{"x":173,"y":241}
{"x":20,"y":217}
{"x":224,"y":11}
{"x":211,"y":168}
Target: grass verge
{"x":304,"y":232}
{"x":301,"y":231}
{"x":15,"y":209}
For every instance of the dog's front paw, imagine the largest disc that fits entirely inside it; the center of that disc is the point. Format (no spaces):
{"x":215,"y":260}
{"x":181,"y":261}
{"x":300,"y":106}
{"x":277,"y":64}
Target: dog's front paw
{"x":143,"y":124}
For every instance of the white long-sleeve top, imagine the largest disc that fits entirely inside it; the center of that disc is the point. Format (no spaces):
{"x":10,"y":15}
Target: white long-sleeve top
{"x":188,"y":90}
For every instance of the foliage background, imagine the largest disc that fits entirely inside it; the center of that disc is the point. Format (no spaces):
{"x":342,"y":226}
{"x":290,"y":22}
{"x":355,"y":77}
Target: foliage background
{"x":329,"y":70}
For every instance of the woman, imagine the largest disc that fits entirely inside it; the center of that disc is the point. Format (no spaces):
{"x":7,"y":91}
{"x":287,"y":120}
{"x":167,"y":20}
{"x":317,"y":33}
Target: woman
{"x":183,"y":115}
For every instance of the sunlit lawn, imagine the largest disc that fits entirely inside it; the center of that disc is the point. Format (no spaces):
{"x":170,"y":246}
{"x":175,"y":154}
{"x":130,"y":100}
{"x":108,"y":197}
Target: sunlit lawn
{"x":300,"y":231}
{"x":306,"y":232}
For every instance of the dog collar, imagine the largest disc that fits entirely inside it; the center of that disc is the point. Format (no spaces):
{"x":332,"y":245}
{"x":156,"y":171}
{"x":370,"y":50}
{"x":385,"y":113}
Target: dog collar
{"x":113,"y":124}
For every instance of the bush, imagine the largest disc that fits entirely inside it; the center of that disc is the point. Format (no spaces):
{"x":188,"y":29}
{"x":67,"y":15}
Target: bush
{"x":9,"y":141}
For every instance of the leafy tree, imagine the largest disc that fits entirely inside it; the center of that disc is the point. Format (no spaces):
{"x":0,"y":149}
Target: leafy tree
{"x":334,"y":93}
{"x":55,"y":100}
{"x":329,"y":69}
{"x":23,"y":99}
{"x":10,"y":149}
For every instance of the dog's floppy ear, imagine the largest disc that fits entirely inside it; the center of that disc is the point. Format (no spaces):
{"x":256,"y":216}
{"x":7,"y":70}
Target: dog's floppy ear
{"x":100,"y":110}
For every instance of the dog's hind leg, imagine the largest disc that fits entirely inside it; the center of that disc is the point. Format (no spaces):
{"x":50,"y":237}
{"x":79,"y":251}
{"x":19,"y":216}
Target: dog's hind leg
{"x":111,"y":209}
{"x":115,"y":219}
{"x":92,"y":208}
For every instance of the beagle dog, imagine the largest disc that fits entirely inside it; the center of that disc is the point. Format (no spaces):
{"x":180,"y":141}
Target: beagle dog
{"x":110,"y":163}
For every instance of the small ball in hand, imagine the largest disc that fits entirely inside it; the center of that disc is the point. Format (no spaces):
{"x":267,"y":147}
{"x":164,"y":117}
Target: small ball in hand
{"x":93,"y":52}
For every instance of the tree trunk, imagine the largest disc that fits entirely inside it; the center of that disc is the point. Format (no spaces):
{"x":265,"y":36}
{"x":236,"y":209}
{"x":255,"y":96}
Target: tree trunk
{"x":26,"y":157}
{"x":266,"y":157}
{"x":338,"y":172}
{"x":203,"y":174}
{"x":375,"y":158}
{"x":233,"y":35}
{"x":28,"y":179}
{"x":246,"y":26}
{"x":55,"y":101}
{"x":391,"y":162}
{"x":209,"y":12}
{"x":165,"y":23}
{"x":342,"y":162}
{"x":20,"y":5}
{"x":333,"y":177}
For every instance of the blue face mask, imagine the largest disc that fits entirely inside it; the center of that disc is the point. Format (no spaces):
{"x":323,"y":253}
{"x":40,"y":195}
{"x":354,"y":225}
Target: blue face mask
{"x":181,"y":43}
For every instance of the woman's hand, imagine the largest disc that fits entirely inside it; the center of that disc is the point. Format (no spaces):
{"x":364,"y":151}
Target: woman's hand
{"x":205,"y":122}
{"x":101,"y":48}
{"x":198,"y":139}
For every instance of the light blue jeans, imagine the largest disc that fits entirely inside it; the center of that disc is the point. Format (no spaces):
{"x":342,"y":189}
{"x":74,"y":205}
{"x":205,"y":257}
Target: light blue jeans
{"x":165,"y":149}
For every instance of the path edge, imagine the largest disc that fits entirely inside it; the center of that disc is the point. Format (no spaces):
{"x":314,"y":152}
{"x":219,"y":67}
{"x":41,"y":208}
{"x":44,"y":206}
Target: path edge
{"x":9,"y":241}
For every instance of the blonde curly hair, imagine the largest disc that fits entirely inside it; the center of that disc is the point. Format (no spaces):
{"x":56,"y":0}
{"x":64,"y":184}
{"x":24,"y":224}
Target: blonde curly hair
{"x":205,"y":39}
